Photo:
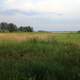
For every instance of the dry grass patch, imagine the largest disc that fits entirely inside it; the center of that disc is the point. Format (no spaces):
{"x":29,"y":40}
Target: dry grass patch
{"x":24,"y":36}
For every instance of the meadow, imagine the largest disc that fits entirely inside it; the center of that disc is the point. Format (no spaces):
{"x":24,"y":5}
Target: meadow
{"x":40,"y":56}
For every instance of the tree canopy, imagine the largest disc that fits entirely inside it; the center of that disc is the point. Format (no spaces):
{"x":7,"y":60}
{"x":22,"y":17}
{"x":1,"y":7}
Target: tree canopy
{"x":11,"y":27}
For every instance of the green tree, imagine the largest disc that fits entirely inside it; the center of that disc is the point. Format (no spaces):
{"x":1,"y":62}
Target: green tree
{"x":29,"y":29}
{"x":12,"y":27}
{"x":3,"y":27}
{"x":25,"y":29}
{"x":21,"y":29}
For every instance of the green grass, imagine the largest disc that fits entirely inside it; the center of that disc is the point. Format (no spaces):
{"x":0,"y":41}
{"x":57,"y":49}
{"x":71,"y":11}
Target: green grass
{"x":57,"y":58}
{"x":68,"y":37}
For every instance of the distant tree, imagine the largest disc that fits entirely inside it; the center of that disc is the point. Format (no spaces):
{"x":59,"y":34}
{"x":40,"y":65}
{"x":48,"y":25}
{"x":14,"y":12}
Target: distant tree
{"x":78,"y":31}
{"x":25,"y":29}
{"x":3,"y":27}
{"x":12,"y":27}
{"x":42,"y":31}
{"x":21,"y":29}
{"x":29,"y":29}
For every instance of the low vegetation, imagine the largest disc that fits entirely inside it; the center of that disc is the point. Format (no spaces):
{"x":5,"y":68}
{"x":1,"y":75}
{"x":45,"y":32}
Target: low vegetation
{"x":56,"y":57}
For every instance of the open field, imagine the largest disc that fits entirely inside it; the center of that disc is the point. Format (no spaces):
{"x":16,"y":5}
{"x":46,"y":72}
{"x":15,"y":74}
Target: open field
{"x":71,"y":37}
{"x":24,"y":36}
{"x":39,"y":56}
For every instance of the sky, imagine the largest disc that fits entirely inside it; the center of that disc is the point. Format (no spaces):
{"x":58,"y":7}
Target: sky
{"x":49,"y":15}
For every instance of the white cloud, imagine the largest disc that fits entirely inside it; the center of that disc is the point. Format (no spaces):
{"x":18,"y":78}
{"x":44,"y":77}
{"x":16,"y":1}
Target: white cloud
{"x":40,"y":5}
{"x":10,"y":1}
{"x":72,"y":8}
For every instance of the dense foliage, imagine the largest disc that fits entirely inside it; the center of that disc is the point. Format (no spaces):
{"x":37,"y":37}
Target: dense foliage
{"x":39,"y":60}
{"x":78,"y":31}
{"x":10,"y":27}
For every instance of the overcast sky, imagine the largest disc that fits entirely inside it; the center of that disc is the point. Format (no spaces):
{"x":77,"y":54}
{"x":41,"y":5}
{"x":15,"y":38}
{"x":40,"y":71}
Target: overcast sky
{"x":52,"y":15}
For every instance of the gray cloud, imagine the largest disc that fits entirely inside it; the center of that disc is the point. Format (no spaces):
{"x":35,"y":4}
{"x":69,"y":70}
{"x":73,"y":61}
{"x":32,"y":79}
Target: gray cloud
{"x":42,"y":14}
{"x":12,"y":12}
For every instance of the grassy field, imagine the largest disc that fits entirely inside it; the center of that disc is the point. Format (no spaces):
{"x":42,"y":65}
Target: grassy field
{"x":39,"y":56}
{"x":24,"y":36}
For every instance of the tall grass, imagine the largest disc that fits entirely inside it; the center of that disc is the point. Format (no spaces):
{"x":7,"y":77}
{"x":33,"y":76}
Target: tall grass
{"x":39,"y":60}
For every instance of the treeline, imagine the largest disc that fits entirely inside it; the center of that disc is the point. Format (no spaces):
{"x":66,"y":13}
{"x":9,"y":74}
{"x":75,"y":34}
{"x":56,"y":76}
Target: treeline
{"x":10,"y":27}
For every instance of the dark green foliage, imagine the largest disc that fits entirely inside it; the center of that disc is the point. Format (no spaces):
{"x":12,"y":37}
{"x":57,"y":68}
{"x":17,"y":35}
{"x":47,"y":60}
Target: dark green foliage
{"x":39,"y":60}
{"x":5,"y":27}
{"x":12,"y":27}
{"x":78,"y":31}
{"x":25,"y":29}
{"x":21,"y":29}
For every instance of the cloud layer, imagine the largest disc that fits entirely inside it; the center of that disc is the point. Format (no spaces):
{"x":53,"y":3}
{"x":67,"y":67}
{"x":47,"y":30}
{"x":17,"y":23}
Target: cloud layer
{"x":42,"y":13}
